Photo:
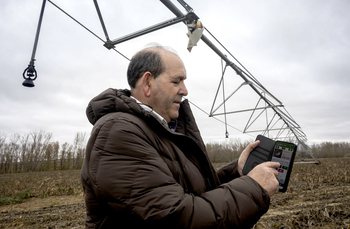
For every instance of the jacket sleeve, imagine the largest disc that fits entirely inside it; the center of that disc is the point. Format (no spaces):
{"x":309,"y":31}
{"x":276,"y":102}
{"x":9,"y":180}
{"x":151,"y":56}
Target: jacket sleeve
{"x":228,"y":172}
{"x":131,"y":176}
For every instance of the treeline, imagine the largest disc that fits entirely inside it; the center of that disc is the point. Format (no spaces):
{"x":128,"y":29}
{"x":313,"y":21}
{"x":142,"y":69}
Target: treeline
{"x":220,"y":152}
{"x":35,"y":151}
{"x":330,"y":149}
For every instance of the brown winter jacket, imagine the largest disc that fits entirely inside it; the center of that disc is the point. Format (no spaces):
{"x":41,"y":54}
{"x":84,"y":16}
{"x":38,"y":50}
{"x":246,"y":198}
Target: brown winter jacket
{"x":138,"y":173}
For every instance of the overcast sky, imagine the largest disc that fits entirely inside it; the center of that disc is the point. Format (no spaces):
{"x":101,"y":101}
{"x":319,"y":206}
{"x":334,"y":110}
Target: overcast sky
{"x":299,"y":50}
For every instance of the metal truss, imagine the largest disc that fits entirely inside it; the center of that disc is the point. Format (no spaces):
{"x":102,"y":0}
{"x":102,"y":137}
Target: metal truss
{"x":279,"y":124}
{"x":274,"y":120}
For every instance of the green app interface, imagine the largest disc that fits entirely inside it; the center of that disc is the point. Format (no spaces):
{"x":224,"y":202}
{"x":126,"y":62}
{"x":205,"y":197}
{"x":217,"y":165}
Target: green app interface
{"x":283,"y":154}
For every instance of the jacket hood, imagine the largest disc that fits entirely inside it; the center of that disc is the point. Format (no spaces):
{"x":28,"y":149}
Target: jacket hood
{"x":111,"y":100}
{"x":114,"y":100}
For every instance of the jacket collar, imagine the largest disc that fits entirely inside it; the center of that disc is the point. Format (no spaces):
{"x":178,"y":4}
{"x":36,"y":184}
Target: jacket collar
{"x":150,"y":109}
{"x":113,"y":100}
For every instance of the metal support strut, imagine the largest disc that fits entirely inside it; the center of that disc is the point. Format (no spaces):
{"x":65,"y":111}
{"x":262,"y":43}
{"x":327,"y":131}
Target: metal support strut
{"x":30,"y":71}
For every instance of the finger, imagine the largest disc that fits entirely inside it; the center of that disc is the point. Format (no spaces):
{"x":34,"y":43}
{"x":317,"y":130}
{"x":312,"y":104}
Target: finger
{"x":278,"y":185}
{"x":275,"y":172}
{"x":272,"y":164}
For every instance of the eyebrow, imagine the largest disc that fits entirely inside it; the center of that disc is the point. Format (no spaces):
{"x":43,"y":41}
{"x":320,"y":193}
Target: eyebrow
{"x":179,"y":77}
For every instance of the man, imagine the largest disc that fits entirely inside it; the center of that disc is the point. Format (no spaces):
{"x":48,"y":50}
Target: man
{"x":146,"y":165}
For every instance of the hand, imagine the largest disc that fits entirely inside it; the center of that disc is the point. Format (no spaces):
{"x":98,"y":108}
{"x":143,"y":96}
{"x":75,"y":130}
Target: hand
{"x":244,"y":155}
{"x":265,"y":174}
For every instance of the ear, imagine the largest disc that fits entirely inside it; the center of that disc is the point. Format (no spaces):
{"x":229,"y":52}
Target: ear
{"x":147,"y":81}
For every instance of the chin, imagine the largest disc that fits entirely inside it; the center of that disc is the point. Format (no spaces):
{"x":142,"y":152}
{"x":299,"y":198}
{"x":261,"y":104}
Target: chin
{"x":174,"y":116}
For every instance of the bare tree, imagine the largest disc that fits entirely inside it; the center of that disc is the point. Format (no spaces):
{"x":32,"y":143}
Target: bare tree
{"x":78,"y":150}
{"x":55,"y":154}
{"x":65,"y":156}
{"x":49,"y":157}
{"x":14,"y":150}
{"x":2,"y":152}
{"x":24,"y":153}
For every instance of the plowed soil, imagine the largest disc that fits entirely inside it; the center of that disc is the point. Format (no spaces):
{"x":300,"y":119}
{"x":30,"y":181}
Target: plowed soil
{"x":318,"y":196}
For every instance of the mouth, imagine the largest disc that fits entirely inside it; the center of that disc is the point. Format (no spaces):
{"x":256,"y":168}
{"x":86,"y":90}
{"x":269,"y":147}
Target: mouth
{"x":177,"y":102}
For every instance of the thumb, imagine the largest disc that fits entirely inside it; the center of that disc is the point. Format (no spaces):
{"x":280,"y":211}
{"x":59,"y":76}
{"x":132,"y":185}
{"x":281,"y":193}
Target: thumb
{"x":250,"y":147}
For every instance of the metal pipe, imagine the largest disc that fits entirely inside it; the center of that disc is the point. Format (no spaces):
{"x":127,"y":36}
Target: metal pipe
{"x":30,"y":73}
{"x":38,"y":32}
{"x":101,"y":19}
{"x":148,"y":30}
{"x":241,"y":111}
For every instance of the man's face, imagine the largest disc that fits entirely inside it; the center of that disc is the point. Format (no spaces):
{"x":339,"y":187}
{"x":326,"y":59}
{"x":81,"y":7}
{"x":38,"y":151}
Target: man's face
{"x":169,"y":87}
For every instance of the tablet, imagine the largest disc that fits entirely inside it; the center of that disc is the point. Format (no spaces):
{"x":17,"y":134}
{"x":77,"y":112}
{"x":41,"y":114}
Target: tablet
{"x":270,"y":150}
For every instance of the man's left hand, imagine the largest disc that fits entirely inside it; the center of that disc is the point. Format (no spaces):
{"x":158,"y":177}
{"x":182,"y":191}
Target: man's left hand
{"x":244,"y":155}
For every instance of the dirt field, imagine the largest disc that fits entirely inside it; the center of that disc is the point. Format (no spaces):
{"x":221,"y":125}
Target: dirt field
{"x":318,"y":197}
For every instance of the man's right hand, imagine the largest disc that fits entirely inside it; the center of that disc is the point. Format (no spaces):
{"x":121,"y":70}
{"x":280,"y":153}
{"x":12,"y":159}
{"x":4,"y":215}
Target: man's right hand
{"x":265,"y":174}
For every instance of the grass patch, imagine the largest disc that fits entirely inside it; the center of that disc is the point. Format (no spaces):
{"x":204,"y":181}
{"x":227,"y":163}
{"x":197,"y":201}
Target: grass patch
{"x":55,"y":203}
{"x":15,"y":199}
{"x":40,"y":184}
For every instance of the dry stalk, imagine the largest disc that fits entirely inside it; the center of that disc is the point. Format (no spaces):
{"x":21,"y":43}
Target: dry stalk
{"x":14,"y":221}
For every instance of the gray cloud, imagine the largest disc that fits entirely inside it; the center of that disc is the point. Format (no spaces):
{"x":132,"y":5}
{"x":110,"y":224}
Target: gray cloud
{"x":299,"y":45}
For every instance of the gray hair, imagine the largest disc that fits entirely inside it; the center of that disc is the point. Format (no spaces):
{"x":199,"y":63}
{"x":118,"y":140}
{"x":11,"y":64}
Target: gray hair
{"x":146,"y":60}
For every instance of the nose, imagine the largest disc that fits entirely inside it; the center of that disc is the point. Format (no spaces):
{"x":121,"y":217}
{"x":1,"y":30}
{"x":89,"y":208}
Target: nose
{"x":183,"y":90}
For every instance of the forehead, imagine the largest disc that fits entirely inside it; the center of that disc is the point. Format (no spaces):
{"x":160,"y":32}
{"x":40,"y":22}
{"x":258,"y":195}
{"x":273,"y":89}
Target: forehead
{"x":173,"y":63}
